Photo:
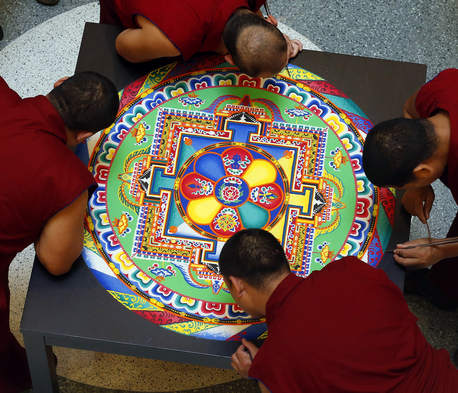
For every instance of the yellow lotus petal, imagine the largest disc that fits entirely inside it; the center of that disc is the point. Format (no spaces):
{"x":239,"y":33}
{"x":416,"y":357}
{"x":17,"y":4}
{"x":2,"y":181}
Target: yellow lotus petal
{"x":203,"y":210}
{"x":260,"y":172}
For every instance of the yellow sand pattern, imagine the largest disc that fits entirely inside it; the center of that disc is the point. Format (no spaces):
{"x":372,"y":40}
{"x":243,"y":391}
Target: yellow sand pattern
{"x":202,"y":211}
{"x":260,"y":172}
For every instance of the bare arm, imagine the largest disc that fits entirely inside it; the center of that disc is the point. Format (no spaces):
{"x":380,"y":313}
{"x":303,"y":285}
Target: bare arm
{"x":263,"y":388}
{"x":409,"y":109}
{"x":144,"y":43}
{"x":61,"y":240}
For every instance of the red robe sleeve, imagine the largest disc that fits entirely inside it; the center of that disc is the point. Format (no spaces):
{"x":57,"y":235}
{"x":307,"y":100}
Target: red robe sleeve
{"x":8,"y":97}
{"x":44,"y":176}
{"x":191,"y":26}
{"x":440,"y":93}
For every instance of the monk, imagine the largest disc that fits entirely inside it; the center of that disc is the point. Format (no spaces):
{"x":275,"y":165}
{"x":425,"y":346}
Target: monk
{"x":170,"y":28}
{"x":410,"y":153}
{"x":45,"y":187}
{"x":345,"y":328}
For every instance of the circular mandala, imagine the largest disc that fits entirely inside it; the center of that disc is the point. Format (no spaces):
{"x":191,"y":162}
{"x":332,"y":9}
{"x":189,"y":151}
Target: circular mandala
{"x":200,"y":151}
{"x":227,"y":187}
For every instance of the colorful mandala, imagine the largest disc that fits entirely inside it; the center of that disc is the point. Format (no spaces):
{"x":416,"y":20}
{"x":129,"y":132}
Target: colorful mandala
{"x":227,"y":187}
{"x":200,"y":151}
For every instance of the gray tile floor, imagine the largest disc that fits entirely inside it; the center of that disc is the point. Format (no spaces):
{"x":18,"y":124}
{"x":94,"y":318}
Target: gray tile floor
{"x":18,"y":16}
{"x":406,"y":30}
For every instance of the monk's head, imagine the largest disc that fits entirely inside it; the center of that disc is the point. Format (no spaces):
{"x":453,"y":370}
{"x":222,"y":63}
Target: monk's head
{"x":255,"y":46}
{"x":252,"y":263}
{"x":87,"y":101}
{"x":398,"y":152}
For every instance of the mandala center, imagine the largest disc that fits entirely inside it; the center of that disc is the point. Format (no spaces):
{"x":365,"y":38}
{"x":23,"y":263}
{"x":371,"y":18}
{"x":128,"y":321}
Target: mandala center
{"x":231,"y":191}
{"x":226,"y":187}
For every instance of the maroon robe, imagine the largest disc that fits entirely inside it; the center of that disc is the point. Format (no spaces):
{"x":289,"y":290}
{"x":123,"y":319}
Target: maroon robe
{"x":40,"y":176}
{"x":441,"y":94}
{"x":347,"y":328}
{"x":192,"y":26}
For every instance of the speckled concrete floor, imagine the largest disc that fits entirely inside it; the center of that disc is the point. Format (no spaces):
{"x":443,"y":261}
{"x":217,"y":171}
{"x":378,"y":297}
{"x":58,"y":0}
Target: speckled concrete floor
{"x":239,"y":386}
{"x":417,"y":30}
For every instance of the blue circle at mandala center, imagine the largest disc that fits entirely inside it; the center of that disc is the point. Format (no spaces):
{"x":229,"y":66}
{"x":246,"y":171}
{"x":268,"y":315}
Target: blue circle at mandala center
{"x":232,"y":191}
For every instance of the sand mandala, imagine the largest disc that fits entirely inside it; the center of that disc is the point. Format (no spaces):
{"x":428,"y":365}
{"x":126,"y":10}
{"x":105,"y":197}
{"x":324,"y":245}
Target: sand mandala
{"x":200,"y":151}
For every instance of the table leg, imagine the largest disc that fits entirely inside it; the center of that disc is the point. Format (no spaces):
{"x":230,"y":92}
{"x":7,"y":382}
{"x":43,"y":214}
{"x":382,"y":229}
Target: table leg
{"x":42,"y":363}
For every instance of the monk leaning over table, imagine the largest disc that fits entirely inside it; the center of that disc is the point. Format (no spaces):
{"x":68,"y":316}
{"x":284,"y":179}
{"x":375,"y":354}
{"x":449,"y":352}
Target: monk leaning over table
{"x":45,"y":187}
{"x":410,"y":153}
{"x":169,"y":28}
{"x":343,"y":329}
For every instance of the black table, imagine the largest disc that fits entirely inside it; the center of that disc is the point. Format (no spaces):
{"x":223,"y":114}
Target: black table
{"x":75,"y":310}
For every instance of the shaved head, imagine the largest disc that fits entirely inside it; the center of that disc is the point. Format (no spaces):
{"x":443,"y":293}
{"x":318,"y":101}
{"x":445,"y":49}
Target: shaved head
{"x":257,"y":47}
{"x":395,"y":147}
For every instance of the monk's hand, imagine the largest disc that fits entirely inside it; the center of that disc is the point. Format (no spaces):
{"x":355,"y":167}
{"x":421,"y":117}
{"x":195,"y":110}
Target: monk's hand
{"x":243,"y":357}
{"x":418,"y":202}
{"x":294,"y":46}
{"x":418,"y":257}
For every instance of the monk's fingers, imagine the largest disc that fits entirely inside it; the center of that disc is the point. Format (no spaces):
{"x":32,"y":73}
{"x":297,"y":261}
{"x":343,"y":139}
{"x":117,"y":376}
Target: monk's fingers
{"x":235,"y":362}
{"x":417,"y":252}
{"x":241,"y":362}
{"x":251,"y":348}
{"x":296,"y":47}
{"x":242,"y":355}
{"x":235,"y":366}
{"x":298,"y":44}
{"x":407,"y":262}
{"x":417,"y":260}
{"x":238,"y":352}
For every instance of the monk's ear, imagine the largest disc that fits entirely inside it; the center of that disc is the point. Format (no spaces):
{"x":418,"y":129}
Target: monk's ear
{"x":60,"y":81}
{"x":81,"y":136}
{"x":237,"y":286}
{"x":423,"y":172}
{"x":229,"y":59}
